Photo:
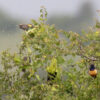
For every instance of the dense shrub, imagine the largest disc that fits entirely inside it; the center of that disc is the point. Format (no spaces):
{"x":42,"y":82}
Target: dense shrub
{"x":23,"y":74}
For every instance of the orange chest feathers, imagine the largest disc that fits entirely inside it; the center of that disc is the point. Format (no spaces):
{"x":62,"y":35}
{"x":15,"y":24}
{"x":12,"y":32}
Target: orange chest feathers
{"x":93,"y":72}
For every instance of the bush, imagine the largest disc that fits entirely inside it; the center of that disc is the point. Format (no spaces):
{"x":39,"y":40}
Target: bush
{"x":44,"y":51}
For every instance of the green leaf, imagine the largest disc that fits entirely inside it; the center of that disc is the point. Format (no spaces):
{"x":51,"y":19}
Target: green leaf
{"x":60,"y":60}
{"x":34,"y":22}
{"x":31,"y":73}
{"x":17,"y":59}
{"x":37,"y":76}
{"x":53,"y":66}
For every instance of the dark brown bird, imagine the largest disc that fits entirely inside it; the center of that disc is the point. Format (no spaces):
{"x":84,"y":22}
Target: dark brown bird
{"x":26,"y":27}
{"x":51,"y":77}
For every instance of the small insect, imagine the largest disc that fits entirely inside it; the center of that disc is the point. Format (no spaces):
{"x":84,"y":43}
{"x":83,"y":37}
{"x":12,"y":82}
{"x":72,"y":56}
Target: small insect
{"x":93,"y":71}
{"x":25,"y":27}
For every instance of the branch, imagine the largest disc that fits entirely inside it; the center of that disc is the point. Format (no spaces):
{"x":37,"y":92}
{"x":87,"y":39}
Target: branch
{"x":83,"y":52}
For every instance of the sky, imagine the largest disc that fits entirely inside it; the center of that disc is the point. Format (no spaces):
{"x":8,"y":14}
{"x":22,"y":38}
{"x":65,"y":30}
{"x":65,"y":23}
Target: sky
{"x":31,"y":8}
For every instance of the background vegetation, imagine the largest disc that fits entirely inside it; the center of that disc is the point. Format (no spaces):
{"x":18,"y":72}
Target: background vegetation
{"x":10,"y":34}
{"x":43,"y":50}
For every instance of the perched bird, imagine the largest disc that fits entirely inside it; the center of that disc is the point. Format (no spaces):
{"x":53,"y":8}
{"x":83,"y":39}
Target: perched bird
{"x":25,"y":27}
{"x":52,"y":71}
{"x":92,"y":71}
{"x":51,"y":77}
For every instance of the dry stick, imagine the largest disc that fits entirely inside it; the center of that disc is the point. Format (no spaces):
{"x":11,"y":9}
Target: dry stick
{"x":82,"y":55}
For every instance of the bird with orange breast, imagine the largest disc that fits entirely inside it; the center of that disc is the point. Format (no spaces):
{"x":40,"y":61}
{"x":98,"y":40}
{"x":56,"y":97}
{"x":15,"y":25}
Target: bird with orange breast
{"x":93,"y":71}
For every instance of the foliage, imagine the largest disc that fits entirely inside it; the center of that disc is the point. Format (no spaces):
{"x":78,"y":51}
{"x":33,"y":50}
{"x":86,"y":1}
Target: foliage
{"x":42,"y":50}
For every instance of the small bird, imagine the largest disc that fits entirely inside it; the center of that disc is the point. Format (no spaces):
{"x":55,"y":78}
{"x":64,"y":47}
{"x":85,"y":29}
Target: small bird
{"x":51,"y":77}
{"x":26,"y":27}
{"x":52,"y":71}
{"x":93,"y":71}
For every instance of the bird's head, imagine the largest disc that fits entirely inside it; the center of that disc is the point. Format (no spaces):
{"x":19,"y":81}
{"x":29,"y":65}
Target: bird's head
{"x":92,"y":67}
